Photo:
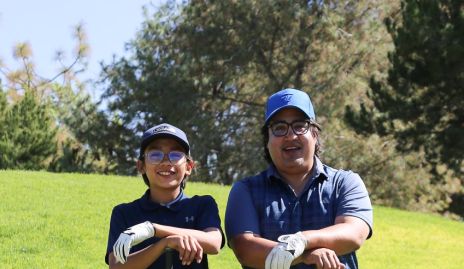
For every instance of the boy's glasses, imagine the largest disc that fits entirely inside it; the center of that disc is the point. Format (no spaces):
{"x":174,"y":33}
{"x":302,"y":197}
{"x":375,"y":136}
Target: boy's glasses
{"x":157,"y":156}
{"x":280,"y":128}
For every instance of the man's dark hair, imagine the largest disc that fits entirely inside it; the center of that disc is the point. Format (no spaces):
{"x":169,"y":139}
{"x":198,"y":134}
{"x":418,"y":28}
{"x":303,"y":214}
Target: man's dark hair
{"x":314,"y":128}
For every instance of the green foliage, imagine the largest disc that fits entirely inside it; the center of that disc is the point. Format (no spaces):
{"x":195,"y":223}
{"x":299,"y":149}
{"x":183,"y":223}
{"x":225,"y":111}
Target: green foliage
{"x":71,"y":212}
{"x":3,"y":106}
{"x":421,"y":103}
{"x":388,"y":176}
{"x":80,"y":148}
{"x":208,"y":68}
{"x":27,"y":136}
{"x":64,"y":110}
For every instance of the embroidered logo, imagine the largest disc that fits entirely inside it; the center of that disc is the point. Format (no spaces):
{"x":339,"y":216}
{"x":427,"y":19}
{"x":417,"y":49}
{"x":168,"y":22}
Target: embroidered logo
{"x":286,"y":98}
{"x":189,"y":219}
{"x":164,"y":129}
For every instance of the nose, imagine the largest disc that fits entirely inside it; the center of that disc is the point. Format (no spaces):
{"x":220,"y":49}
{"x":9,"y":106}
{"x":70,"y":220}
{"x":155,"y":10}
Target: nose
{"x":165,"y":159}
{"x":290,"y":133}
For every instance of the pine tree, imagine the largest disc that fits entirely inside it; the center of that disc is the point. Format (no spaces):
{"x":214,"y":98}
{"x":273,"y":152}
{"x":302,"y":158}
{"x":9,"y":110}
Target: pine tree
{"x":27,"y":138}
{"x":422,"y":101}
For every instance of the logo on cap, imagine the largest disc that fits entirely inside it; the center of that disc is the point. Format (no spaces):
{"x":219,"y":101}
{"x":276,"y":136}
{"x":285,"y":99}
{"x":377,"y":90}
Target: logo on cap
{"x":164,"y":129}
{"x":286,"y":97}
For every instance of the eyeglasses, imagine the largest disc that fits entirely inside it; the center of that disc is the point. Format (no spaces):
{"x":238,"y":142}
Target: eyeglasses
{"x":280,"y":128}
{"x":157,"y":156}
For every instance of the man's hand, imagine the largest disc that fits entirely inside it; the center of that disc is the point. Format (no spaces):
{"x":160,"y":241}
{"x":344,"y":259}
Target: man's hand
{"x":279,"y":257}
{"x":291,"y":246}
{"x":131,"y":237}
{"x":323,"y":258}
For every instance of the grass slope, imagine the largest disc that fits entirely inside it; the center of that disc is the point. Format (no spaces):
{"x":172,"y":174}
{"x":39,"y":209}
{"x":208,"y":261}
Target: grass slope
{"x":52,"y":220}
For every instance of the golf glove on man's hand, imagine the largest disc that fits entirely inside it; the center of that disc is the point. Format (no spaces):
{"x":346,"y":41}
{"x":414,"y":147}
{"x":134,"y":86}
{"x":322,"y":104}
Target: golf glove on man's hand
{"x":290,"y":247}
{"x":131,"y":237}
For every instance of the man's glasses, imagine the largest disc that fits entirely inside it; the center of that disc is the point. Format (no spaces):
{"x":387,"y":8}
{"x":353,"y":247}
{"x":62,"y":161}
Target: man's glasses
{"x":280,"y":128}
{"x":157,"y":156}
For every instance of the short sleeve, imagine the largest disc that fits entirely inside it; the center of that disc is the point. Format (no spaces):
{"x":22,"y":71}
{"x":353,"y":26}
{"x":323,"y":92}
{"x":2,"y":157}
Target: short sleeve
{"x":117,"y":225}
{"x":241,"y":216}
{"x":209,"y":216}
{"x":353,"y":199}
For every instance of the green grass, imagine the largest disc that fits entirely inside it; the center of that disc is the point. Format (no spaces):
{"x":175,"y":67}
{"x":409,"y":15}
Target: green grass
{"x":52,"y":220}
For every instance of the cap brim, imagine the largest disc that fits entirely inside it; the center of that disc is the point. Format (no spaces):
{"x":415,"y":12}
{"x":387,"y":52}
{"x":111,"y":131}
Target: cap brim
{"x":280,"y":108}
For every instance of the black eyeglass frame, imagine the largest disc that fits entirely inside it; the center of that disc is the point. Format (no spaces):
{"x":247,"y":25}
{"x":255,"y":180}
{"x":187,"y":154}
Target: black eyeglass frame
{"x":308,"y":123}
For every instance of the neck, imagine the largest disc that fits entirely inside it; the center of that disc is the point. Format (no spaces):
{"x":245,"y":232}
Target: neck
{"x":297,"y":181}
{"x":163,"y":196}
{"x":297,"y":176}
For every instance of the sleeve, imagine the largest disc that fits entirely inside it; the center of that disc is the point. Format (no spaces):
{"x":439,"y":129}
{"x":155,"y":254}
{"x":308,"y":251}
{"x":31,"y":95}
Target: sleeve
{"x":209,"y":216}
{"x":353,"y":199}
{"x":241,"y":216}
{"x":117,"y":225}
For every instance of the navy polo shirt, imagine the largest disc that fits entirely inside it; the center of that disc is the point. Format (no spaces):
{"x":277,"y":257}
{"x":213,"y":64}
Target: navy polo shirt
{"x":197,"y":212}
{"x":267,"y":206}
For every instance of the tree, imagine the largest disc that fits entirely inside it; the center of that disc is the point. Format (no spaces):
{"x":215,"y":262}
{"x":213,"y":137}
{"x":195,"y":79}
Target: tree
{"x":422,"y":103}
{"x":65,"y":139}
{"x":27,"y":138}
{"x":208,"y":67}
{"x":419,"y":103}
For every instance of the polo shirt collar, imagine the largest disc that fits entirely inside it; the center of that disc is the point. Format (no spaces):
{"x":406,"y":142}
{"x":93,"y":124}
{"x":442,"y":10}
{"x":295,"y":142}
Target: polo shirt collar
{"x":175,"y":205}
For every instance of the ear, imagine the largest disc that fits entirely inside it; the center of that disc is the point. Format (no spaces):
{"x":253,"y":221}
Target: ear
{"x":190,"y":164}
{"x":141,"y":167}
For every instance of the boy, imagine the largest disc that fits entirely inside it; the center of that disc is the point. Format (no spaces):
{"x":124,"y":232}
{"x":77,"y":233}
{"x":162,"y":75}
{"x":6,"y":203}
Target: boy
{"x":164,"y":217}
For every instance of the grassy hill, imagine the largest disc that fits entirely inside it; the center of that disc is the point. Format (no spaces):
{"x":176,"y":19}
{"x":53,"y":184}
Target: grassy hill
{"x":52,"y":220}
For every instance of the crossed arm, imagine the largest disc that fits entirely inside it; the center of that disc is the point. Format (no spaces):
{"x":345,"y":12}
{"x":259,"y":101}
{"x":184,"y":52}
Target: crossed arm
{"x":191,"y":244}
{"x":346,"y":235}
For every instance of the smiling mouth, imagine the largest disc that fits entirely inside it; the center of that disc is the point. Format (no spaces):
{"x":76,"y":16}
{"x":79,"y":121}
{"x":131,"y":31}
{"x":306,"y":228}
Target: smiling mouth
{"x":165,"y":173}
{"x":291,"y":148}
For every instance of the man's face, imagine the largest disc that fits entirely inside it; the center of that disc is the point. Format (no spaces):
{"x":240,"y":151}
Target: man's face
{"x":291,"y":154}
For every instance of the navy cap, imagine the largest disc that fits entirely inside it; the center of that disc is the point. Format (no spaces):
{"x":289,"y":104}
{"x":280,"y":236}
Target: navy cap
{"x":163,"y":130}
{"x":289,"y":98}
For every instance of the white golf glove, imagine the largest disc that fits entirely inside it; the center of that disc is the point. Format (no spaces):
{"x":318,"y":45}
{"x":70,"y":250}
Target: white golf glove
{"x":290,"y":247}
{"x":131,"y":237}
{"x":279,"y":257}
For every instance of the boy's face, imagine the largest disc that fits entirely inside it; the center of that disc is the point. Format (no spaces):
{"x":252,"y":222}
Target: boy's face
{"x":165,"y":176}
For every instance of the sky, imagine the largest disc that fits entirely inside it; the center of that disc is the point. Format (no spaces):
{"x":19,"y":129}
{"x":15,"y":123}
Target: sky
{"x":47,"y":25}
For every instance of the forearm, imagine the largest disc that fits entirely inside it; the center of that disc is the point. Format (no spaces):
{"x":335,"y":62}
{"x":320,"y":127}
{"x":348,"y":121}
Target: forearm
{"x":140,"y":259}
{"x":347,"y":235}
{"x":251,"y":250}
{"x":210,"y":239}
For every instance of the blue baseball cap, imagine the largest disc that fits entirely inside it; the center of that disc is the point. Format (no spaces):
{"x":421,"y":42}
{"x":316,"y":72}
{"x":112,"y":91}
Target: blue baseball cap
{"x":289,"y":98}
{"x":163,"y":130}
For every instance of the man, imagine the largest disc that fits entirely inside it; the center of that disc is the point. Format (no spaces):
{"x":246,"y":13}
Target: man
{"x":299,"y":211}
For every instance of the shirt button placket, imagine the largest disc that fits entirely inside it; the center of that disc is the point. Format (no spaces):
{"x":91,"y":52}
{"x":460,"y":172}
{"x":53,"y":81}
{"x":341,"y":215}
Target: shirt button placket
{"x":295,"y":216}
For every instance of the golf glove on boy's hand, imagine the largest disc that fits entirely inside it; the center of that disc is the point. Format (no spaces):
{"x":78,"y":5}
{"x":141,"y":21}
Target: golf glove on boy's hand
{"x":289,"y":248}
{"x":131,"y":237}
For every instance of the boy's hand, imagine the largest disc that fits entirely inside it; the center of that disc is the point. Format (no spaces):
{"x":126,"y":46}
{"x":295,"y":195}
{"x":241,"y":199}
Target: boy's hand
{"x":188,"y":247}
{"x":131,"y":237}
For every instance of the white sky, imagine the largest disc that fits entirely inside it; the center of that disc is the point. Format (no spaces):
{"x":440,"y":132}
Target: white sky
{"x":47,"y":25}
